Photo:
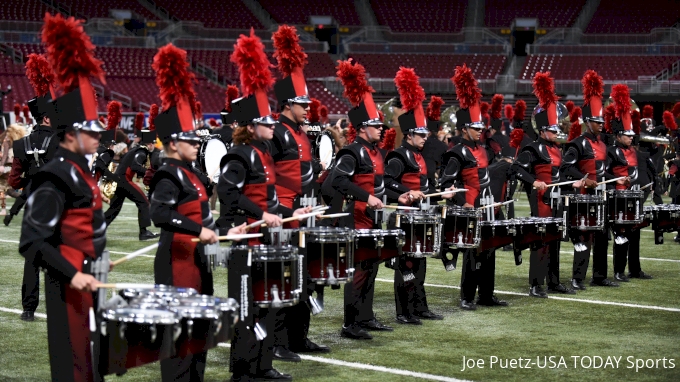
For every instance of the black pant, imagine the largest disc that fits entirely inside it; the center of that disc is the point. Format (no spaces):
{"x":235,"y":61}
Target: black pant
{"x":188,"y":369}
{"x":478,"y":274}
{"x":129,"y":191}
{"x":30,"y":287}
{"x":544,"y":265}
{"x":291,"y":325}
{"x":598,"y":241}
{"x":628,"y":252}
{"x":359,"y":294}
{"x":410,"y":297}
{"x":250,"y":357}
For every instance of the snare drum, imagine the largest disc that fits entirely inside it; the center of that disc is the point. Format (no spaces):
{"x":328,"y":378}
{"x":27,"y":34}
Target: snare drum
{"x":276,"y":274}
{"x":421,"y":230}
{"x":210,"y":154}
{"x":330,"y":254}
{"x":208,"y":319}
{"x":625,"y":206}
{"x":377,"y":244}
{"x":664,"y":217}
{"x":585,"y":212}
{"x":537,"y":231}
{"x":461,"y":228}
{"x":162,"y":294}
{"x":496,"y":233}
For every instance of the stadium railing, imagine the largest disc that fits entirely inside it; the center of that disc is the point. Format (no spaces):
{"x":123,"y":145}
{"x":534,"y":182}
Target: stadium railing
{"x":576,"y":35}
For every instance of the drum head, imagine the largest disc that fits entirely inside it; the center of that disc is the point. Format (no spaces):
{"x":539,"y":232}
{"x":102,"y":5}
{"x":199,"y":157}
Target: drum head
{"x":211,"y":154}
{"x":143,"y":314}
{"x":326,"y":149}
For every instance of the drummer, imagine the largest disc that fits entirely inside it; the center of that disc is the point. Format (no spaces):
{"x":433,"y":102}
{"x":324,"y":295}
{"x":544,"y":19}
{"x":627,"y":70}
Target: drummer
{"x":467,"y":164}
{"x":406,"y":170}
{"x":623,"y":161}
{"x":538,"y":165}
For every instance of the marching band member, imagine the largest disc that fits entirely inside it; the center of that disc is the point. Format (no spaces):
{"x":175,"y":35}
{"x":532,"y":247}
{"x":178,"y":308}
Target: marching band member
{"x":358,"y":176}
{"x":296,"y":172}
{"x":466,"y":164}
{"x":538,"y":165}
{"x":104,"y":156}
{"x":434,"y":149}
{"x":156,"y":156}
{"x":64,"y":224}
{"x":406,"y":170}
{"x":623,"y":161}
{"x":584,"y":156}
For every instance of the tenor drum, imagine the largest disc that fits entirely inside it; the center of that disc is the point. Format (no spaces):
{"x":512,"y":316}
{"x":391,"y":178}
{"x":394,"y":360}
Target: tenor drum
{"x":276,"y":274}
{"x":496,"y":233}
{"x":330,"y":254}
{"x":461,"y":228}
{"x":625,"y":206}
{"x":210,"y":154}
{"x":206,"y":320}
{"x":422,"y":232}
{"x":377,"y":244}
{"x":585,"y":212}
{"x":162,"y":294}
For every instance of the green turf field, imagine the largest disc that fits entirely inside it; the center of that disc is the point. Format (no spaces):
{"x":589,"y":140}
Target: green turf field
{"x":639,"y":320}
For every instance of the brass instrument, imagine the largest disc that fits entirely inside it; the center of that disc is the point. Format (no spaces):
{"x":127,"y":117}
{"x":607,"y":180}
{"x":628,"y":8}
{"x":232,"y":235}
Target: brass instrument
{"x":108,"y":186}
{"x":562,"y":120}
{"x":388,"y":112}
{"x":448,"y":119}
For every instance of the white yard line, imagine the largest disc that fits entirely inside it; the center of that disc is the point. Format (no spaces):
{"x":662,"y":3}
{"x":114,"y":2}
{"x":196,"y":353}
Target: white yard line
{"x":642,"y":258}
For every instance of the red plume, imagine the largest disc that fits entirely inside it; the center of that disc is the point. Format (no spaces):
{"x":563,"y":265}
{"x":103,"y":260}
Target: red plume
{"x":252,"y":63}
{"x":25,"y":110}
{"x":621,"y":96}
{"x":17,"y":111}
{"x":323,"y":113}
{"x":102,"y":120}
{"x":276,"y":115}
{"x":139,"y":121}
{"x":411,"y":93}
{"x":381,"y":116}
{"x":593,"y":85}
{"x":212,"y":122}
{"x":173,"y":77}
{"x":609,"y":115}
{"x":351,"y":134}
{"x":570,"y":106}
{"x":153,"y":113}
{"x":232,"y":94}
{"x":484,"y":110}
{"x":466,"y":87}
{"x":520,"y":109}
{"x":114,"y":115}
{"x":70,"y":51}
{"x":544,"y":89}
{"x":313,"y":115}
{"x":289,"y":54}
{"x":575,"y":114}
{"x":647,"y":111}
{"x":434,"y":108}
{"x":676,"y":110}
{"x":496,"y":106}
{"x":39,"y":74}
{"x":198,"y":110}
{"x":509,"y":112}
{"x":574,"y":131}
{"x":353,"y":78}
{"x":635,"y":116}
{"x":669,"y":121}
{"x":388,"y":140}
{"x":516,"y":138}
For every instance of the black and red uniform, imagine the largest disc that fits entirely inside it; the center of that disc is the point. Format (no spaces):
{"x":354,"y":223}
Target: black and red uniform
{"x":587,"y":155}
{"x":179,"y":206}
{"x":130,"y":165}
{"x":64,"y":227}
{"x":100,"y":168}
{"x":406,"y":170}
{"x":541,"y":160}
{"x":674,"y":172}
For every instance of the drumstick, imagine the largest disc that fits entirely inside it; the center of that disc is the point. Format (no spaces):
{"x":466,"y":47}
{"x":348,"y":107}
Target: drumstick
{"x":125,"y":286}
{"x":561,"y":183}
{"x":401,"y":208}
{"x":254,"y":224}
{"x":338,"y":215}
{"x":135,"y":254}
{"x":232,"y":237}
{"x":299,"y":217}
{"x":320,"y":208}
{"x":446,"y":192}
{"x":612,"y":180}
{"x":646,"y":186}
{"x":498,"y":204}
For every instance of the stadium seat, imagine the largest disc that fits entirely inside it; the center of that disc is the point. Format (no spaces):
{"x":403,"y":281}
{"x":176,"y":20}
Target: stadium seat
{"x":213,"y":13}
{"x":484,"y":66}
{"x":100,"y":9}
{"x":298,"y":12}
{"x":633,"y":17}
{"x":550,"y":13}
{"x":567,"y":67}
{"x":420,"y":16}
{"x":22,"y":10}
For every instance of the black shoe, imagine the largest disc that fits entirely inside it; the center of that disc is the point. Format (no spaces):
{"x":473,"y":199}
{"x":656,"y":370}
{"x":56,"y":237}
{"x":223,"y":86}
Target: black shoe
{"x":559,"y":288}
{"x":145,"y":234}
{"x":355,"y":332}
{"x":577,"y":284}
{"x":311,"y":347}
{"x":621,"y":277}
{"x":537,"y":291}
{"x":283,"y":354}
{"x":409,"y":320}
{"x":27,"y":315}
{"x":374,"y":325}
{"x":676,"y":239}
{"x":641,"y":275}
{"x":493,"y":301}
{"x":508,"y":248}
{"x":427,"y":315}
{"x":603,"y":282}
{"x":8,"y":219}
{"x":466,"y":305}
{"x":273,"y":375}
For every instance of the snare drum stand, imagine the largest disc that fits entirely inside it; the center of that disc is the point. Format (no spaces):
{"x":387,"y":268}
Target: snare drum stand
{"x":309,"y":201}
{"x":100,"y":270}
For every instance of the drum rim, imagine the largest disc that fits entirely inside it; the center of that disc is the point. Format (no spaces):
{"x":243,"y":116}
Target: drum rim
{"x":168,"y":317}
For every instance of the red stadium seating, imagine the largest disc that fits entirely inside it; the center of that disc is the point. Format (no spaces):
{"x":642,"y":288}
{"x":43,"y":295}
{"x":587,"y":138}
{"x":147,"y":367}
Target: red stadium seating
{"x":23,"y":10}
{"x":213,"y":13}
{"x":101,"y":9}
{"x":614,"y":16}
{"x":550,"y":13}
{"x":484,"y":66}
{"x":333,"y":103}
{"x":563,"y":67}
{"x":298,"y":12}
{"x":420,"y":16}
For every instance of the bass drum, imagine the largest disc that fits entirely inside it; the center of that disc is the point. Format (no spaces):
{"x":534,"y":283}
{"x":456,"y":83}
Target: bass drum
{"x":209,"y":156}
{"x":325,"y":149}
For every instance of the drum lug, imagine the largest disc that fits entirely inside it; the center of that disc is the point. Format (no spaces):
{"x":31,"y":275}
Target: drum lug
{"x":176,"y":331}
{"x":350,"y":274}
{"x":418,"y":253}
{"x":218,"y":325}
{"x":154,"y":332}
{"x":276,"y":301}
{"x":190,"y":328}
{"x":331,"y":276}
{"x":102,"y":328}
{"x":121,"y":330}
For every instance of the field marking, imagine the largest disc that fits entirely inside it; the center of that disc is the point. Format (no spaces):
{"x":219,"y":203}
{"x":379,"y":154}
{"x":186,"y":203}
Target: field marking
{"x":642,"y":258}
{"x":597,"y":302}
{"x":17,"y":311}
